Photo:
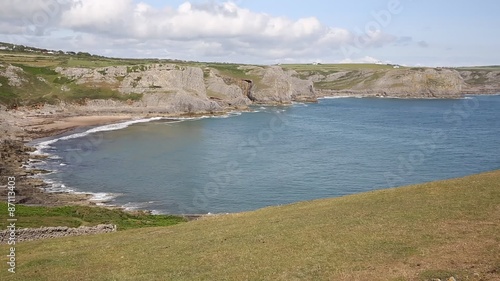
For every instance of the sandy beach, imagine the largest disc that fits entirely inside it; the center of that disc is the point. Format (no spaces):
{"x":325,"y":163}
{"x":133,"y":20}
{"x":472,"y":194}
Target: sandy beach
{"x":52,"y":126}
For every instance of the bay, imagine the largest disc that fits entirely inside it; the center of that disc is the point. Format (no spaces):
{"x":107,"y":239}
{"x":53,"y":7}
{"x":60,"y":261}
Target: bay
{"x":280,"y":155}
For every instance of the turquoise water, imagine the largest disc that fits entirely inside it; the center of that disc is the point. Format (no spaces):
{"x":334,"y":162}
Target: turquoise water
{"x":280,"y":155}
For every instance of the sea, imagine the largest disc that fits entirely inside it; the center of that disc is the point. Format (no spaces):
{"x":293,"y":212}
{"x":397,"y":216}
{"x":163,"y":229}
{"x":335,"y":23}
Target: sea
{"x":275,"y":155}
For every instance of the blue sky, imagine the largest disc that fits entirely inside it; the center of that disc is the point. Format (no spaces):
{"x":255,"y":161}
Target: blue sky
{"x":409,"y":32}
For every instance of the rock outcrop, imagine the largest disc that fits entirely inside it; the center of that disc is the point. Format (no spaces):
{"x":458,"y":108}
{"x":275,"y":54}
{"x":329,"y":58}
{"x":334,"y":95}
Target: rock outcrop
{"x":402,"y":83}
{"x":281,"y":87}
{"x":13,"y":74}
{"x":481,"y":81}
{"x":171,"y":88}
{"x":166,"y":88}
{"x":30,"y":234}
{"x":228,"y":91}
{"x":195,"y":88}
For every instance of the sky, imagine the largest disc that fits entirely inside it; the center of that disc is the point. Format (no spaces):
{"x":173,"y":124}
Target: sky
{"x":406,"y":32}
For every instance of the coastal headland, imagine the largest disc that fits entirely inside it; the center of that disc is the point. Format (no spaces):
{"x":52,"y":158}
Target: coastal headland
{"x":45,"y":93}
{"x":440,"y":230}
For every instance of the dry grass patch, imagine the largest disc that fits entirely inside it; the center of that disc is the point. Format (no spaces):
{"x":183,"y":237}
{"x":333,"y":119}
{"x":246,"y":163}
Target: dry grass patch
{"x":418,"y":232}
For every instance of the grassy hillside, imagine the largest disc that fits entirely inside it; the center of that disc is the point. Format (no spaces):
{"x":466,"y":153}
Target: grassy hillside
{"x":39,"y":83}
{"x":45,"y":85}
{"x":75,"y":216}
{"x":349,"y":75}
{"x":435,"y":230}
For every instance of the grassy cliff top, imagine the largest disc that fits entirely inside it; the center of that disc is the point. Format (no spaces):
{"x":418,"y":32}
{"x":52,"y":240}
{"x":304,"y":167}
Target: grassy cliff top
{"x":28,"y":77}
{"x":421,"y":232}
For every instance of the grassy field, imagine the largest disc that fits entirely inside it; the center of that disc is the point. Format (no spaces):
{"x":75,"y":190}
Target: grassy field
{"x":45,"y":85}
{"x":332,"y":68}
{"x":354,"y":74}
{"x":75,"y":216}
{"x":435,"y":230}
{"x":481,"y":68}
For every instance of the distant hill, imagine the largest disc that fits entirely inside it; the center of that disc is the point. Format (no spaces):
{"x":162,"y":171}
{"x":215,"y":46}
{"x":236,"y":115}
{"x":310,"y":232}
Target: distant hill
{"x":32,"y":76}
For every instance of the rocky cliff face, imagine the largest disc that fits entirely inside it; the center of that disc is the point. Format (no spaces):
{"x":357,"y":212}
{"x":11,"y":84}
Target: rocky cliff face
{"x":281,"y":87}
{"x":481,"y":81}
{"x":228,"y":91}
{"x":13,"y":75}
{"x":165,"y":88}
{"x":189,"y":88}
{"x":170,"y":88}
{"x":408,"y":83}
{"x":430,"y":83}
{"x":402,"y":83}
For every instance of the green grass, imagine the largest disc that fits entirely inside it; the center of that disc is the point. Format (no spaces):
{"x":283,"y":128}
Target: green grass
{"x":417,"y":232}
{"x":62,"y":80}
{"x":37,"y":66}
{"x":350,"y":80}
{"x":332,"y":68}
{"x":236,"y":71}
{"x":75,"y":216}
{"x":354,"y":74}
{"x":232,"y":70}
{"x":37,"y":71}
{"x":79,"y":93}
{"x":7,"y":93}
{"x":37,"y":91}
{"x":475,"y":68}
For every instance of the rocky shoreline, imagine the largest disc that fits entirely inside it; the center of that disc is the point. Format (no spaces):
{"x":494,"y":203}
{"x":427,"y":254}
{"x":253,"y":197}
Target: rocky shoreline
{"x":21,"y":126}
{"x":15,"y":157}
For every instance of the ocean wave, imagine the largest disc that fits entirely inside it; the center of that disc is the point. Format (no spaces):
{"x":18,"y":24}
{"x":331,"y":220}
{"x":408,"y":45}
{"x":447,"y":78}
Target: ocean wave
{"x":132,"y":206}
{"x":299,"y":104}
{"x":101,"y":198}
{"x":336,"y":97}
{"x":57,"y":187}
{"x":42,"y":146}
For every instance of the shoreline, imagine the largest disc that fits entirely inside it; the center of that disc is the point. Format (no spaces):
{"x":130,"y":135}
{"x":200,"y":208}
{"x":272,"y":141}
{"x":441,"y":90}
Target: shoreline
{"x":32,"y":188}
{"x":35,"y":128}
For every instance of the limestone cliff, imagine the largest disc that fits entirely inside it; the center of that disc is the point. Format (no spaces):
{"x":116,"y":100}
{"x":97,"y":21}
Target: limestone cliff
{"x":481,"y":81}
{"x":193,"y":88}
{"x":403,"y":83}
{"x":171,"y":88}
{"x":281,"y":87}
{"x":165,"y":88}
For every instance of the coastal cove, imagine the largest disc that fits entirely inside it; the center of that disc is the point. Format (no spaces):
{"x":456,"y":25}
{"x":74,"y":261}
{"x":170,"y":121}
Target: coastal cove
{"x":276,"y":155}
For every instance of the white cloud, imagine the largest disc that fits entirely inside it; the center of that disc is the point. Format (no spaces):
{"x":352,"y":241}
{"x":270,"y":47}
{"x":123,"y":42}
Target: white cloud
{"x":97,"y":15}
{"x":213,"y":29}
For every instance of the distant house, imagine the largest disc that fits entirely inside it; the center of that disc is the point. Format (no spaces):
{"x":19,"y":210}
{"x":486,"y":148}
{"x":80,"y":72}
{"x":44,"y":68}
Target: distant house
{"x":396,"y":66}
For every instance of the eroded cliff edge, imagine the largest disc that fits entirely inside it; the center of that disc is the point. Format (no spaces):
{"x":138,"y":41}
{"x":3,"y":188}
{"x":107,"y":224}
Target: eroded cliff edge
{"x":199,"y":88}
